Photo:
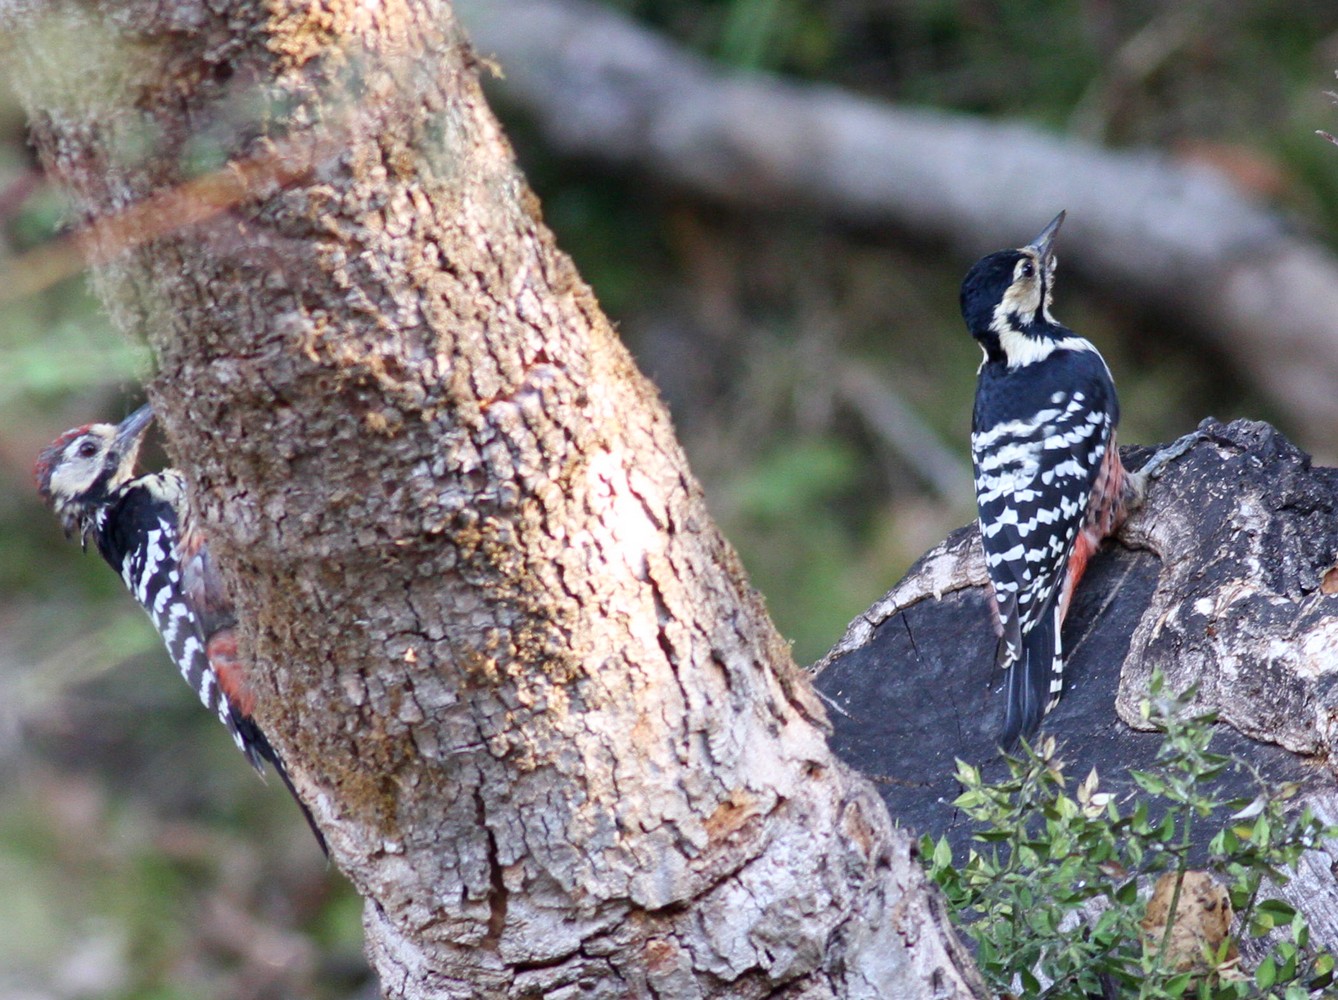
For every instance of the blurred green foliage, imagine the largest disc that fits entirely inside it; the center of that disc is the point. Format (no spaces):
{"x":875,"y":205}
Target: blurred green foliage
{"x":130,"y":831}
{"x":787,"y":35}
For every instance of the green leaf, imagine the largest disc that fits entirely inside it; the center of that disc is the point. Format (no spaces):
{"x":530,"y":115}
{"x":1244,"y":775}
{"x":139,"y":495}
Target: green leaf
{"x":966,"y":774}
{"x":1279,"y":909}
{"x":1262,"y":828}
{"x":1267,"y":973}
{"x":943,"y":853}
{"x":1300,"y":931}
{"x":1285,"y":960}
{"x":1166,"y":829}
{"x":986,"y":955}
{"x":1151,"y":783}
{"x":1322,"y":980}
{"x":1209,"y":773}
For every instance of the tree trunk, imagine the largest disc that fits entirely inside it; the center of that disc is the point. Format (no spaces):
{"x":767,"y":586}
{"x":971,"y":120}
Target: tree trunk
{"x":519,"y":677}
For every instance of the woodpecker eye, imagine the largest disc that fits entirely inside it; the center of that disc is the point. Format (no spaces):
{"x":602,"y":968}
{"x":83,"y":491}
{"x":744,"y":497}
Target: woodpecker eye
{"x":88,"y":449}
{"x":1028,"y":269}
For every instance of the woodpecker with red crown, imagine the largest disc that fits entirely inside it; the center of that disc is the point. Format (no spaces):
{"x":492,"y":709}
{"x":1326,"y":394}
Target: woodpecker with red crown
{"x":1050,"y":485}
{"x":143,"y":528}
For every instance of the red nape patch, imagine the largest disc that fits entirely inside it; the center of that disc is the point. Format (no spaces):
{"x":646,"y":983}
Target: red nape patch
{"x":46,"y":461}
{"x":228,"y":670}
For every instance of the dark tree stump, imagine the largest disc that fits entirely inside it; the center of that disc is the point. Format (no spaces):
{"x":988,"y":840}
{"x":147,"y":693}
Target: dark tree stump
{"x":1226,"y":579}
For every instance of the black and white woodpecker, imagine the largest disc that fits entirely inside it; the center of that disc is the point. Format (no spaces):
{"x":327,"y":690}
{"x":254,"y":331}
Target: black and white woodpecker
{"x":1049,"y":481}
{"x":142,"y":526}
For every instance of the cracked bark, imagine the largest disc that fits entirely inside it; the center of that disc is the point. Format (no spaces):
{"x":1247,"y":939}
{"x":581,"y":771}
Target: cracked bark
{"x":547,"y":727}
{"x":1227,"y":579}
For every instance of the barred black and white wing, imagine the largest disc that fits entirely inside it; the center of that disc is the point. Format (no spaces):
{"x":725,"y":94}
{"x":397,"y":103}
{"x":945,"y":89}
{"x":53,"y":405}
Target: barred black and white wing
{"x":1035,"y":468}
{"x":169,"y":569}
{"x":138,"y":536}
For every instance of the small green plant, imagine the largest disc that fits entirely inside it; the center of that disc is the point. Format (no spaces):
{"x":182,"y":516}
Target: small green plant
{"x":1056,"y":898}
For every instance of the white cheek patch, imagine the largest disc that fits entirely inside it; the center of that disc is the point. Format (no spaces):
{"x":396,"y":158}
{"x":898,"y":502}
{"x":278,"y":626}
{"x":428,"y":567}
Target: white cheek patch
{"x":73,"y":478}
{"x":1023,"y":298}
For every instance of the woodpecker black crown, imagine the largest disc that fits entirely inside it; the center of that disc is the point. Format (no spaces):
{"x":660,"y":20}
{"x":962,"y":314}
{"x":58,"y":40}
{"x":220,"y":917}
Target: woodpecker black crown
{"x":1006,"y":296}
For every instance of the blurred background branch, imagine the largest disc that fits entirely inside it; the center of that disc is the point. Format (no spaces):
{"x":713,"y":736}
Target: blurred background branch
{"x":1178,"y":236}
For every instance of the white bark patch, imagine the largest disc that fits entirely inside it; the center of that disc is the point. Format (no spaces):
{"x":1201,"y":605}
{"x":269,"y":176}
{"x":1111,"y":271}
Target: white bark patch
{"x":1319,"y":651}
{"x":618,"y":509}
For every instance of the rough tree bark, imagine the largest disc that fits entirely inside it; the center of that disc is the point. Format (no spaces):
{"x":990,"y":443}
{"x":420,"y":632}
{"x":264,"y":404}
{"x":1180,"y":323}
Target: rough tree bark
{"x":550,"y":732}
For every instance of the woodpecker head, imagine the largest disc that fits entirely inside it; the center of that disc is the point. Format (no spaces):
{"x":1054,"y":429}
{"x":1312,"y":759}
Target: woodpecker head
{"x":1006,"y":301}
{"x":84,"y":467}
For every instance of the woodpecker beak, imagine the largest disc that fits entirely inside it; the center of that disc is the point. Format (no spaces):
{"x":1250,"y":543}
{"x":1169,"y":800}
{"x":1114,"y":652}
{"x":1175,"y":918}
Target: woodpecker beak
{"x":130,"y":436}
{"x":130,"y":431}
{"x":1043,"y":245}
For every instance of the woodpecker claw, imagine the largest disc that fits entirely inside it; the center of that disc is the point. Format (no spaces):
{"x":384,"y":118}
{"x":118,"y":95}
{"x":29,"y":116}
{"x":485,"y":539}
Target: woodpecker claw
{"x":1155,"y":465}
{"x":1137,"y":482}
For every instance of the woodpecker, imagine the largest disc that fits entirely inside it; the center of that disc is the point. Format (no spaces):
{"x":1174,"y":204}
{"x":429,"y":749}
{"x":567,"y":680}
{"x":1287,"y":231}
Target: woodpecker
{"x":143,"y":528}
{"x":1049,"y":481}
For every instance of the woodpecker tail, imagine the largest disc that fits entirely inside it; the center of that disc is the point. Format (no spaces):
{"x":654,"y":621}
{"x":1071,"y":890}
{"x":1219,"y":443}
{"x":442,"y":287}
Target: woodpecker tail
{"x":282,"y":772}
{"x":259,"y":750}
{"x":1034,"y":680}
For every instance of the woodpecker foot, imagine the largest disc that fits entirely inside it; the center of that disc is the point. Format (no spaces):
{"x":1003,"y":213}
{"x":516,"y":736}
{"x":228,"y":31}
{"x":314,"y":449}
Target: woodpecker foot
{"x":1156,"y":465}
